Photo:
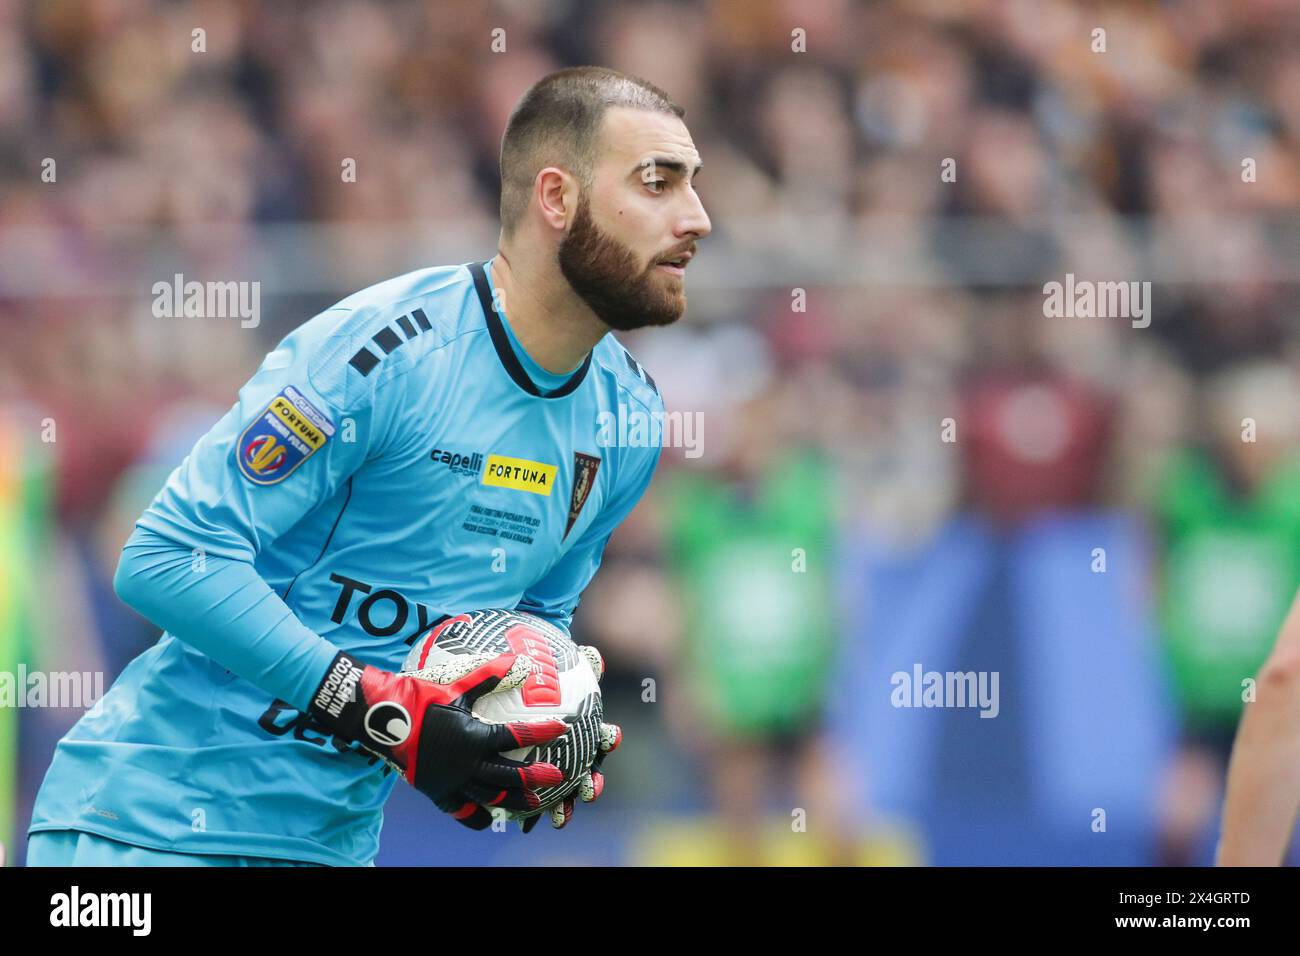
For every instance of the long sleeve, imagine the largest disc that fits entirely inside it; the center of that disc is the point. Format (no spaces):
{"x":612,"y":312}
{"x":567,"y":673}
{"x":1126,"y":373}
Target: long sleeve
{"x":278,"y":454}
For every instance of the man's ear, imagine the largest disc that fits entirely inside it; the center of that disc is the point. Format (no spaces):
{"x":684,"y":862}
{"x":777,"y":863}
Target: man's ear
{"x":556,"y":192}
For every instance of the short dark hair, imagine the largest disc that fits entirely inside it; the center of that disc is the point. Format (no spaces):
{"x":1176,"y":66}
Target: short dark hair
{"x":556,"y":123}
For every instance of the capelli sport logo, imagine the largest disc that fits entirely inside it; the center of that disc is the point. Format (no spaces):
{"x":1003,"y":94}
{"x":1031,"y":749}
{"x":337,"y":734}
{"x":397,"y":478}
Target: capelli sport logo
{"x":460,"y":463}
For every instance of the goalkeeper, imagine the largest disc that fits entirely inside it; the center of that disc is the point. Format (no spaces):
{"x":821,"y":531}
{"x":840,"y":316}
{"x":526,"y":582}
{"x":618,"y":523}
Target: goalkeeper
{"x":428,"y":446}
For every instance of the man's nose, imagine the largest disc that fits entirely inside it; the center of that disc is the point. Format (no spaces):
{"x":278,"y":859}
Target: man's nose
{"x":695,"y":220}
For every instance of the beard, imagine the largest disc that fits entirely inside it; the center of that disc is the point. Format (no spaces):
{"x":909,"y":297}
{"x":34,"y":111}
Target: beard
{"x":607,"y":276}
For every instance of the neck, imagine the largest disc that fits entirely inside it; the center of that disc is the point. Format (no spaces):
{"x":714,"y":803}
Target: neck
{"x":554,"y":326}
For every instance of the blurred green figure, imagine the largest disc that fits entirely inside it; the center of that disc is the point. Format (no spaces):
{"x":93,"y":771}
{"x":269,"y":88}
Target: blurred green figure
{"x":26,"y":475}
{"x":1228,"y":516}
{"x":750,"y":547}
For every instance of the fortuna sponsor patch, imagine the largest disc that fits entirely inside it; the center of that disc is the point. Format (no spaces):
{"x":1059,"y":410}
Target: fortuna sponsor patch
{"x":282,"y":437}
{"x":519,"y":474}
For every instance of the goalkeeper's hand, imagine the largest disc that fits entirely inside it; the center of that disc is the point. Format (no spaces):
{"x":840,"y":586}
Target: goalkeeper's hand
{"x":477,"y":815}
{"x":426,"y":732}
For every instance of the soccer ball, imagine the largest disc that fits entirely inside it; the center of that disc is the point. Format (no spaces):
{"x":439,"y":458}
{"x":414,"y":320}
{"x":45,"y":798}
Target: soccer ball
{"x":563,"y":683}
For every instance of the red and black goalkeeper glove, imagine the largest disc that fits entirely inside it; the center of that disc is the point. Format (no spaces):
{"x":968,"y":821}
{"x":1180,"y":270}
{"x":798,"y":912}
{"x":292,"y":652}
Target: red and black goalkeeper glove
{"x":593,"y":782}
{"x":467,"y":808}
{"x":425,"y":729}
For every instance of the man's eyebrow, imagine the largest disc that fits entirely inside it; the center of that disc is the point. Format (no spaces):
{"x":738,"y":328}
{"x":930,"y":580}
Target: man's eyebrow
{"x":672,"y":165}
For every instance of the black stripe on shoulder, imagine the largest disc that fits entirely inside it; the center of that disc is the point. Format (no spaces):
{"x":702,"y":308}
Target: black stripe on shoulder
{"x":364,"y":361}
{"x":639,"y":371}
{"x":389,"y":341}
{"x":386,"y":339}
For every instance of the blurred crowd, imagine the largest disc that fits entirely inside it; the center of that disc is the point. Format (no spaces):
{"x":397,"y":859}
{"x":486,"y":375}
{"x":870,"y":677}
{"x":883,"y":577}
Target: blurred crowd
{"x":866,"y":343}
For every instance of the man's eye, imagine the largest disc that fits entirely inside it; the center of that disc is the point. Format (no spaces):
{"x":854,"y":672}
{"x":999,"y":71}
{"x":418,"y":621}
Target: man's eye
{"x":656,"y":185}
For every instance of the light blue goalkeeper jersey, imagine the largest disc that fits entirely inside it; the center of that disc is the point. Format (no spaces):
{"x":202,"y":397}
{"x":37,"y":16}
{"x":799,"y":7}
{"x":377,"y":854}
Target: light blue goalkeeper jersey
{"x":395,"y":459}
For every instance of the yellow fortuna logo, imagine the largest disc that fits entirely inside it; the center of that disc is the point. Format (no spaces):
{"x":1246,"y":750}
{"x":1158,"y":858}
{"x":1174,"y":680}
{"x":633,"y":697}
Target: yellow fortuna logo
{"x":520,"y":474}
{"x":298,"y":424}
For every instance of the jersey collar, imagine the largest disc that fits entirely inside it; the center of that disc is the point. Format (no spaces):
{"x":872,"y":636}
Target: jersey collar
{"x":501,"y":342}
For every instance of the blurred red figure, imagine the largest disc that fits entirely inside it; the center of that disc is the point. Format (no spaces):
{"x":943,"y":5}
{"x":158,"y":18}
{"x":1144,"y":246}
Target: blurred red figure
{"x":1034,"y":441}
